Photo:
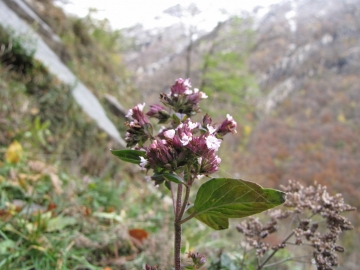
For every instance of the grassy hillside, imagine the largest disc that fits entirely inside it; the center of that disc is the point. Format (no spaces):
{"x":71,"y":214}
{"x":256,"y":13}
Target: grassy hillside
{"x":65,"y":202}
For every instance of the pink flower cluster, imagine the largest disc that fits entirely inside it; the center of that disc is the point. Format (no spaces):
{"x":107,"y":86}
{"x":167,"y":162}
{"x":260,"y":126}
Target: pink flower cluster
{"x":182,"y":98}
{"x":184,"y":144}
{"x":139,"y":126}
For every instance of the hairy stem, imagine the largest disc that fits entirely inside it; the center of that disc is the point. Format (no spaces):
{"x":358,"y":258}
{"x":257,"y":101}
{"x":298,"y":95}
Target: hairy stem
{"x":179,"y":208}
{"x":177,"y":246}
{"x":184,"y":204}
{"x":178,"y":202}
{"x":190,"y":180}
{"x":172,"y":187}
{"x":177,"y":227}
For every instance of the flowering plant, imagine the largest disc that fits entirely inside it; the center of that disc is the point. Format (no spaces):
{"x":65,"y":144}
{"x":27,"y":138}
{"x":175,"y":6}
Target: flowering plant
{"x":182,"y":153}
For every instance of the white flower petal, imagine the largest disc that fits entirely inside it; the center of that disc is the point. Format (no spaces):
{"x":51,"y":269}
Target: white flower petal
{"x":185,"y":140}
{"x":161,"y":129}
{"x":229,"y":117}
{"x":203,"y":95}
{"x":143,"y":163}
{"x":188,"y":92}
{"x":129,"y":114}
{"x":141,"y":106}
{"x":213,"y":143}
{"x":211,"y":129}
{"x":192,"y":125}
{"x":169,"y":133}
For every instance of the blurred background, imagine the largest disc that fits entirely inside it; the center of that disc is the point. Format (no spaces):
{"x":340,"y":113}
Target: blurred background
{"x":287,"y":71}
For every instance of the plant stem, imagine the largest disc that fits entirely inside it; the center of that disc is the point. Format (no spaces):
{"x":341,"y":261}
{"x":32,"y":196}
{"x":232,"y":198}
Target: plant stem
{"x":177,"y":246}
{"x":179,"y":208}
{"x":260,"y":266}
{"x":184,"y":204}
{"x":178,"y":203}
{"x":172,"y":187}
{"x":273,"y":253}
{"x":177,"y":228}
{"x":284,"y":260}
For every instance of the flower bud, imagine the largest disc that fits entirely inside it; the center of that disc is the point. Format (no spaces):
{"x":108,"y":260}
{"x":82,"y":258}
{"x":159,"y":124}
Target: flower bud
{"x":207,"y":120}
{"x":182,"y":99}
{"x":180,"y":87}
{"x":159,"y":112}
{"x":136,"y":114}
{"x":339,"y":249}
{"x":135,"y":135}
{"x":227,"y":126}
{"x":161,"y":154}
{"x":314,"y":227}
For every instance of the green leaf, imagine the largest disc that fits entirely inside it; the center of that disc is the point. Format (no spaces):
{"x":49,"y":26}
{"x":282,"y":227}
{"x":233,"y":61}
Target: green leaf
{"x":173,"y":178}
{"x":222,"y":198}
{"x":132,"y":156}
{"x":217,"y":223}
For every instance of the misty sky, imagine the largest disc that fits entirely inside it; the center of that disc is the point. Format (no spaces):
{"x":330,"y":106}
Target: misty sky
{"x":123,"y":14}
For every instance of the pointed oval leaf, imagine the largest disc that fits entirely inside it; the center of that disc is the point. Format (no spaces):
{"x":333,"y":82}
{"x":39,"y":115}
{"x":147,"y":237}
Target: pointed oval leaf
{"x":224,"y":198}
{"x":217,"y":223}
{"x":132,"y":156}
{"x":173,"y":178}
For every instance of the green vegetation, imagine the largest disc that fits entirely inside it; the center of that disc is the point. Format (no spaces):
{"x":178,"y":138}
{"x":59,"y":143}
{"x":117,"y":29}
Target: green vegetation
{"x":67,"y":203}
{"x":89,"y":229}
{"x":61,"y":206}
{"x":226,"y":76}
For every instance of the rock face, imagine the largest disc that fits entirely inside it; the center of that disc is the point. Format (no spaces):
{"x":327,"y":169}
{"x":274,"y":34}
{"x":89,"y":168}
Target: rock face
{"x":298,"y":41}
{"x":307,"y":60}
{"x":12,"y":15}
